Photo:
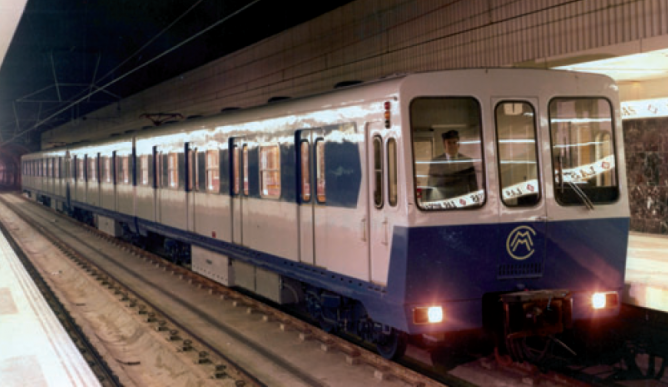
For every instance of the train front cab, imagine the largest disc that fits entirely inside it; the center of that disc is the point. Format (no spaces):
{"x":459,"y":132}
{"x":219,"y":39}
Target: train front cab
{"x":541,"y":227}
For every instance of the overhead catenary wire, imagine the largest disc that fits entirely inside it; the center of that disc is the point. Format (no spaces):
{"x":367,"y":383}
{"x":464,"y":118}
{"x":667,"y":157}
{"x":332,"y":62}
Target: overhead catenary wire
{"x":151,"y":40}
{"x":130,"y":72}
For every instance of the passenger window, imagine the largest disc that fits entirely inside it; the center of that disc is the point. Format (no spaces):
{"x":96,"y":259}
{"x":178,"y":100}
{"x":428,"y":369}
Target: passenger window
{"x":245,"y":166}
{"x":320,"y":170}
{"x":378,"y":172}
{"x":305,"y":171}
{"x":213,"y":171}
{"x":518,"y":165}
{"x":392,"y":176}
{"x":270,"y":171}
{"x":447,"y":153}
{"x":583,"y":151}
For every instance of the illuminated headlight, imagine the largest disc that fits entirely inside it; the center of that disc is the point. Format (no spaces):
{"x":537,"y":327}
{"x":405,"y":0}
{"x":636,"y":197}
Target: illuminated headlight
{"x":598,"y":300}
{"x":604,"y":300}
{"x":428,"y":315}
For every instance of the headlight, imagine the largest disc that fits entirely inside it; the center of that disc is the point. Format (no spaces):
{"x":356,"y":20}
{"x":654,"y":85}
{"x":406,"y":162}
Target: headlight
{"x":435,"y":314}
{"x":598,"y":300}
{"x":604,"y":300}
{"x":428,"y":315}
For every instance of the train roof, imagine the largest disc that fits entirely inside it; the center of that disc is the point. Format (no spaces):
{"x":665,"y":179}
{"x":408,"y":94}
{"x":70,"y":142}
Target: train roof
{"x":386,"y":87}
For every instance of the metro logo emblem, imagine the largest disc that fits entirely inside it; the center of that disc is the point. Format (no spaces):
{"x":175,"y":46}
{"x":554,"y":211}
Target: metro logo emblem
{"x":519,"y":243}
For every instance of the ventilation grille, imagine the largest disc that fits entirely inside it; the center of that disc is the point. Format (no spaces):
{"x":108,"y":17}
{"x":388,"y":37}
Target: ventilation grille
{"x":520,"y":270}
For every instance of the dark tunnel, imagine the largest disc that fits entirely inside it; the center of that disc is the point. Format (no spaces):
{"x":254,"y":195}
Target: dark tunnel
{"x":10,"y":161}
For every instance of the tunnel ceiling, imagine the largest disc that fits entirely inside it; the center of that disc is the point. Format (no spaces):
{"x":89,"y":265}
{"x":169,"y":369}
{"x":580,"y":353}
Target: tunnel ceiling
{"x":65,"y":49}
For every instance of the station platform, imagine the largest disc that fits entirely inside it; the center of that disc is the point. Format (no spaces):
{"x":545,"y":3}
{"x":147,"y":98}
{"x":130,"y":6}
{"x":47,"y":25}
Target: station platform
{"x":646,"y":282}
{"x":35,"y":350}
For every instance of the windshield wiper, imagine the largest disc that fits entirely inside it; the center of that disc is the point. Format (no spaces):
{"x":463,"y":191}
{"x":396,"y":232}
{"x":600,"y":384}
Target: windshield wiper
{"x":583,"y":196}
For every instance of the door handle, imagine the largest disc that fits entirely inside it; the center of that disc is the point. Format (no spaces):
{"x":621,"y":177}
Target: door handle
{"x":384,"y":241}
{"x":363,"y":229}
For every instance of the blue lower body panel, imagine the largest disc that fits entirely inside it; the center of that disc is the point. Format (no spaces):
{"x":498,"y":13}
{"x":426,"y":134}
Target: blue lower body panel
{"x":456,"y":266}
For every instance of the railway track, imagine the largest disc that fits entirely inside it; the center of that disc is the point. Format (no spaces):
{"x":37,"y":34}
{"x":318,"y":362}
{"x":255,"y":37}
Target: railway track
{"x":232,"y":339}
{"x":158,"y":293}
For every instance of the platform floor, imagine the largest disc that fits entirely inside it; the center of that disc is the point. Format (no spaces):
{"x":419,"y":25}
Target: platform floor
{"x":647,"y":272}
{"x":35,"y":350}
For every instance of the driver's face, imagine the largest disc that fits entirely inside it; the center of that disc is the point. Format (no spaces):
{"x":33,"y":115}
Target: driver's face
{"x":451,"y":146}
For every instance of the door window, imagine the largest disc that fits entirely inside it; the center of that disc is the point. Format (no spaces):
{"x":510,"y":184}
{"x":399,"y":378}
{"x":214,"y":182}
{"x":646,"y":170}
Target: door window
{"x":518,"y":165}
{"x":236,"y":187}
{"x":378,"y":171}
{"x":305,"y":163}
{"x":320,"y":170}
{"x":392,"y":176}
{"x":81,"y":170}
{"x":244,"y":153}
{"x":173,"y":170}
{"x":92,"y":169}
{"x":213,"y":170}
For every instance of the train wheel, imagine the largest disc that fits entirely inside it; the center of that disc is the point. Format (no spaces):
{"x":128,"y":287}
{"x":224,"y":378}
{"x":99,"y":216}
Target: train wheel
{"x":392,"y":345}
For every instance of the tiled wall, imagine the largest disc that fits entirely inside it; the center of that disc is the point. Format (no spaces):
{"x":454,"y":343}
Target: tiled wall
{"x":646,"y":148}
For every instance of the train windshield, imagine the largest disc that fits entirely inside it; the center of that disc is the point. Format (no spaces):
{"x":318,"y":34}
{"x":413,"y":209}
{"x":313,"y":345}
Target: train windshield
{"x":583,"y":151}
{"x":447,"y":151}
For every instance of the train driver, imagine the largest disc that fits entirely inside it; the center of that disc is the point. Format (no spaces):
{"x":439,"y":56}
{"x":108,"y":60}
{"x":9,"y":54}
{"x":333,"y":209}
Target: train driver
{"x":451,"y":174}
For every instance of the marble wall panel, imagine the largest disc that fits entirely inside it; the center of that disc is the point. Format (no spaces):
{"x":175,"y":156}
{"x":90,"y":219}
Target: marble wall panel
{"x":646,"y":148}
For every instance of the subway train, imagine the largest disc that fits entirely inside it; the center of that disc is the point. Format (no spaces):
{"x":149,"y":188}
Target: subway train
{"x":417,"y":206}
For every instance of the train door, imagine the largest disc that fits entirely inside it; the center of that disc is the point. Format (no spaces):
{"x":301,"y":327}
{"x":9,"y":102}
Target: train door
{"x":239,"y":186}
{"x":522,"y":208}
{"x":311,"y":147}
{"x":382,"y":199}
